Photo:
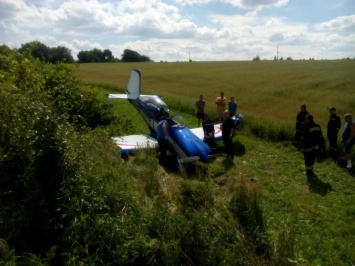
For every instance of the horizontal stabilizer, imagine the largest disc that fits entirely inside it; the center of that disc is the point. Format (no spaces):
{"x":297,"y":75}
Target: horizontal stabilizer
{"x":122,"y":96}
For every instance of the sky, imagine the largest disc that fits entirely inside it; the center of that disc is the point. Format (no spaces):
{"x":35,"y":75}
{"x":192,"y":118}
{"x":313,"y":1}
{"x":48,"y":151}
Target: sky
{"x":180,"y":30}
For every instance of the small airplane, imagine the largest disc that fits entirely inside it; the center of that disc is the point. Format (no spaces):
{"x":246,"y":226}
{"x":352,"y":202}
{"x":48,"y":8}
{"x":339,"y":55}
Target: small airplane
{"x":187,"y":144}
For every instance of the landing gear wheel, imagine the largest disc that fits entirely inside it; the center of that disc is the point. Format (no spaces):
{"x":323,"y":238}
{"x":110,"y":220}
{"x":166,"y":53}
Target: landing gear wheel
{"x":179,"y":165}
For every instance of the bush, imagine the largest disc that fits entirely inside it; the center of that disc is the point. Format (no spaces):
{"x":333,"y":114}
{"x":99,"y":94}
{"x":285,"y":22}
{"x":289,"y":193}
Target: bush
{"x":60,"y":179}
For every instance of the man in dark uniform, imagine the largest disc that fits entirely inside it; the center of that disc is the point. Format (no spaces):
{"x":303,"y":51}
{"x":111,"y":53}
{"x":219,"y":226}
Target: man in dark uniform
{"x":200,"y":113}
{"x":311,"y":137}
{"x":208,"y":130}
{"x":300,"y":124}
{"x":334,"y":125}
{"x":228,"y":127}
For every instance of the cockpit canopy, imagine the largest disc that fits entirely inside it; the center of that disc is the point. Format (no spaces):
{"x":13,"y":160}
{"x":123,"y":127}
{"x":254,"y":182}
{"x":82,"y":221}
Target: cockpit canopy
{"x":176,"y":121}
{"x":155,"y":106}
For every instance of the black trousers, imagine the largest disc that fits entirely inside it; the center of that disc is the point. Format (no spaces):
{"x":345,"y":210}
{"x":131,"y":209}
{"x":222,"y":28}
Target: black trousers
{"x":298,"y":135}
{"x":228,"y":144}
{"x":210,"y":142}
{"x":163,"y":146}
{"x":309,"y":159}
{"x":333,"y":139}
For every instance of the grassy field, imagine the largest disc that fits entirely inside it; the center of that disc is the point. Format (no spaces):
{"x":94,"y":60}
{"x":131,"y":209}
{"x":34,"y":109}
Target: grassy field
{"x":265,"y":89}
{"x":313,"y":218}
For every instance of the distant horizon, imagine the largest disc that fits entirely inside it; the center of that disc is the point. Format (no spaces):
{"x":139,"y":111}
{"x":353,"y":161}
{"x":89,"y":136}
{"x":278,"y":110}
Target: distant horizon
{"x":179,"y":30}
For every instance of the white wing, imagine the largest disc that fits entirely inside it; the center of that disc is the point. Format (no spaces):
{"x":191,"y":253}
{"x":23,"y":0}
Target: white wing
{"x":217,"y":132}
{"x":217,"y":128}
{"x":129,"y":144}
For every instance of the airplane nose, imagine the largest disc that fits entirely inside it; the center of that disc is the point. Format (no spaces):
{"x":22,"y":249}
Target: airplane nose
{"x":204,"y":157}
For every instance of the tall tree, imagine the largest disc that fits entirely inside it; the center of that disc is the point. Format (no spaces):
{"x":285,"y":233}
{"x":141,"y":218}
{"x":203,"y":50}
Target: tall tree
{"x":95,"y":55}
{"x":47,"y":54}
{"x":60,"y":54}
{"x":133,"y":56}
{"x":38,"y":50}
{"x":107,"y":55}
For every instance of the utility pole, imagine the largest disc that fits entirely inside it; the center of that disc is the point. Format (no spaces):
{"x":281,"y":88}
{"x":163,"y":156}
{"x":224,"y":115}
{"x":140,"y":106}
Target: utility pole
{"x":277,"y":52}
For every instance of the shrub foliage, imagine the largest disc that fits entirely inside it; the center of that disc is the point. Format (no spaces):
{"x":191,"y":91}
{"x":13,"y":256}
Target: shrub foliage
{"x":67,"y":198}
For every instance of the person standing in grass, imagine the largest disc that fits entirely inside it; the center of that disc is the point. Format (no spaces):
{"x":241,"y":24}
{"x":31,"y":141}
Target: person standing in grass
{"x":221,"y":106}
{"x":208,"y":132}
{"x":300,"y":124}
{"x":334,"y":125}
{"x":228,"y":128}
{"x":232,"y":106}
{"x":200,"y":105}
{"x":162,"y":136}
{"x":348,"y":138}
{"x":310,"y":140}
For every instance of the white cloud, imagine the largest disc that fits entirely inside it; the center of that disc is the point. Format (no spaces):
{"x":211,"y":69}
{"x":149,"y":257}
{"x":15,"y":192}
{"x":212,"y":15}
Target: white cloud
{"x":245,"y":4}
{"x":343,"y":23}
{"x":169,"y":32}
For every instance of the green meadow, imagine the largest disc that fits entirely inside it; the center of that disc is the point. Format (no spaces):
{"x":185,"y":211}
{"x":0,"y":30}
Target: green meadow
{"x":271,"y":90}
{"x":302,"y":221}
{"x":68,"y":198}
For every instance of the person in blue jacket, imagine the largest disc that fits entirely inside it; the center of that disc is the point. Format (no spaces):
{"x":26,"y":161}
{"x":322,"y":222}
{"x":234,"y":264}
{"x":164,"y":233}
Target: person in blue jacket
{"x":232,"y":106}
{"x":348,"y":138}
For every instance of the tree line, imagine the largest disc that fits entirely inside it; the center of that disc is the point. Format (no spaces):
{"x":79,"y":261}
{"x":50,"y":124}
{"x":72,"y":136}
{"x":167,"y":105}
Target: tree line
{"x":62,"y":54}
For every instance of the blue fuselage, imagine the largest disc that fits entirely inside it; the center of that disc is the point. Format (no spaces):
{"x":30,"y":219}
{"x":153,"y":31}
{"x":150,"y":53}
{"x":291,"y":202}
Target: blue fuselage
{"x":182,"y":141}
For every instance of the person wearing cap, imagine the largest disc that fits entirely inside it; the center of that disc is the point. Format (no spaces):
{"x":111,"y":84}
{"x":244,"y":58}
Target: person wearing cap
{"x":348,"y":138}
{"x":163,"y":135}
{"x":334,"y":125}
{"x":310,"y":141}
{"x":300,"y":124}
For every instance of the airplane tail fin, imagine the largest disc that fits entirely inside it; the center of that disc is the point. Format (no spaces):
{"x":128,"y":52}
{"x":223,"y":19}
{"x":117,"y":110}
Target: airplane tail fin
{"x":134,"y":84}
{"x":133,"y":90}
